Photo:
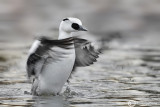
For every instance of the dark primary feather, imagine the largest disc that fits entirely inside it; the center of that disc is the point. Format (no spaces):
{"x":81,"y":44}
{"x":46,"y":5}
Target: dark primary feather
{"x":85,"y":53}
{"x":44,"y":54}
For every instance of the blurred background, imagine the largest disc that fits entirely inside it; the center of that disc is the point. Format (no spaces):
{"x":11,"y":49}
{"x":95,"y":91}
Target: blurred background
{"x":21,"y":20}
{"x":128,"y":29}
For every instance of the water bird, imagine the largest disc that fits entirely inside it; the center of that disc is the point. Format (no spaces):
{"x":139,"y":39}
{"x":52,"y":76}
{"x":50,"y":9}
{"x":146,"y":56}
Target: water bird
{"x":51,"y":62}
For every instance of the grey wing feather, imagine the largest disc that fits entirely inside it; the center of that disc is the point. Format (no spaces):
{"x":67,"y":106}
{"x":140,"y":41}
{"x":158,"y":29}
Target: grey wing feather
{"x":85,"y":53}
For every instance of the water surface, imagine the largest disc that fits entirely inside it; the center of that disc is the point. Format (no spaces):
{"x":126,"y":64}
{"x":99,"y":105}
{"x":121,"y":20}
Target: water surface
{"x":122,"y":75}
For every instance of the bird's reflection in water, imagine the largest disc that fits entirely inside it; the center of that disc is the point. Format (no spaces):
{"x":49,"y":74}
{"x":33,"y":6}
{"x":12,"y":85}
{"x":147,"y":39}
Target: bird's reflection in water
{"x":50,"y":101}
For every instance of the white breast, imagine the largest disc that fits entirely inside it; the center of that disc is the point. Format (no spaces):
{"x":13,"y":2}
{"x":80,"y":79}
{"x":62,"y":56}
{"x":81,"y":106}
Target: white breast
{"x":55,"y":74}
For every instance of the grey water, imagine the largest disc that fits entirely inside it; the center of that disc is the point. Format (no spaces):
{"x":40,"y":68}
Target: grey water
{"x":124,"y":73}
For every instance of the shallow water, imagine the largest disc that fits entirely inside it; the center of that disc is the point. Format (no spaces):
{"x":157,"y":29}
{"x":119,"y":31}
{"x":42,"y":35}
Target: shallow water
{"x":123,"y":76}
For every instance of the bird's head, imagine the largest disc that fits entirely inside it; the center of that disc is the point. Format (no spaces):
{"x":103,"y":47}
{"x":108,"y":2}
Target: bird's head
{"x":71,"y":25}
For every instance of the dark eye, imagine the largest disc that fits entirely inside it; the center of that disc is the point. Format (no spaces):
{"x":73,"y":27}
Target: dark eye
{"x":75,"y":26}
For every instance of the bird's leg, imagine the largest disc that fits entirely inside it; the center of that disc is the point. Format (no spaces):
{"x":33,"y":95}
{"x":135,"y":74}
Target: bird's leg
{"x":67,"y":91}
{"x":67,"y":88}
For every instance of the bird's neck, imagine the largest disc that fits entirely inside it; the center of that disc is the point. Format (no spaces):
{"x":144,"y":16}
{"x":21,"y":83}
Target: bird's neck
{"x":64,"y":35}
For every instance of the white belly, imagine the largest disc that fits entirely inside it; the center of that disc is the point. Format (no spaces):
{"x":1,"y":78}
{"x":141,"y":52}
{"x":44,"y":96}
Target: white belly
{"x":55,"y":74}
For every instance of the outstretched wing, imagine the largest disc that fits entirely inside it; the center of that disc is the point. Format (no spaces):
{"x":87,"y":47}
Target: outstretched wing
{"x":85,"y":53}
{"x":45,"y":52}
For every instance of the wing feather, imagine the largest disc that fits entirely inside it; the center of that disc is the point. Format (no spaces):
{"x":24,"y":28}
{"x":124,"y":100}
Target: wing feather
{"x":45,"y":53}
{"x":85,"y":53}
